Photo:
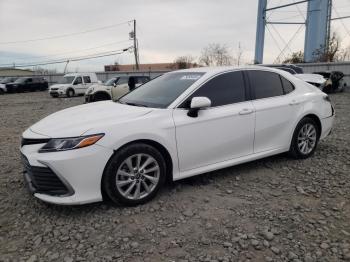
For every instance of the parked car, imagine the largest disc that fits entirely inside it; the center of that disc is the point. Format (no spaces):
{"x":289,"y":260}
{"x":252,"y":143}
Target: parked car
{"x":293,"y":69}
{"x":73,"y":84}
{"x":114,"y":88}
{"x":314,"y":79}
{"x":5,"y":81}
{"x":178,"y":125}
{"x":335,"y":81}
{"x":27,"y":84}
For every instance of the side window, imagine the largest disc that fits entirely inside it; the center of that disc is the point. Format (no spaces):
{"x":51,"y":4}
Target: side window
{"x":87,"y":79}
{"x":287,"y":86}
{"x":78,"y":80}
{"x":227,"y":88}
{"x":265,"y":84}
{"x":29,"y":80}
{"x":123,"y":80}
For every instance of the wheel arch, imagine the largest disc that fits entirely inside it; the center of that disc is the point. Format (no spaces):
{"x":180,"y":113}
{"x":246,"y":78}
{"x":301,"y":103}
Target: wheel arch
{"x":101,"y":92}
{"x":161,"y":148}
{"x":310,"y":115}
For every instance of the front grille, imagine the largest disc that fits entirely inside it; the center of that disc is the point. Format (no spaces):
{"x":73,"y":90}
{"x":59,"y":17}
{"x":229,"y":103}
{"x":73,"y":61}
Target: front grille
{"x":33,"y":141}
{"x":43,"y":180}
{"x":54,"y":88}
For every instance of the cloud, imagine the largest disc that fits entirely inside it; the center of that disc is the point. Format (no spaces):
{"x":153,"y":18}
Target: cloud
{"x":166,"y":28}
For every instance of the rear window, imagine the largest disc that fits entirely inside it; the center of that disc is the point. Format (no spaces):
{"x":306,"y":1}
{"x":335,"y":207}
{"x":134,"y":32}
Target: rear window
{"x":287,"y":86}
{"x":265,"y":84}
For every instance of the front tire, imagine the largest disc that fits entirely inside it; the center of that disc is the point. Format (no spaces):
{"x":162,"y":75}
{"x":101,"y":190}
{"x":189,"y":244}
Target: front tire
{"x":70,"y":93}
{"x":305,"y":138}
{"x":134,"y":175}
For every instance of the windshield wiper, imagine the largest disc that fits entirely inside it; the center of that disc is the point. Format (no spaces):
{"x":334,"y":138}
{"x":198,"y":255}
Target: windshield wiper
{"x":132,"y":104}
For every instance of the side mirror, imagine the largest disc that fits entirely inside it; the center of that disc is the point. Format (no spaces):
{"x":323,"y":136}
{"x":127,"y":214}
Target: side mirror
{"x":198,"y":103}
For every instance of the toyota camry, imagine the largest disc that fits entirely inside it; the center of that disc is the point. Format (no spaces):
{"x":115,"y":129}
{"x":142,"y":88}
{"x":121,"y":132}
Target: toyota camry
{"x":178,"y":125}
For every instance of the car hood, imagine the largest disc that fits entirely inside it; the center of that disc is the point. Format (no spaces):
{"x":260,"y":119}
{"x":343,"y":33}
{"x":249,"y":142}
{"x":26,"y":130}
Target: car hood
{"x":76,"y":121}
{"x":60,"y":86}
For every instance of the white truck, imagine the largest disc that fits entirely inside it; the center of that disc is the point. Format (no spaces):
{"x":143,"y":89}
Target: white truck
{"x":114,"y":88}
{"x":73,"y":84}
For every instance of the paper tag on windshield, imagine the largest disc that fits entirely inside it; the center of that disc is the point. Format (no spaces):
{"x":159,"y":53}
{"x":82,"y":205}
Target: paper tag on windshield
{"x":190,"y":77}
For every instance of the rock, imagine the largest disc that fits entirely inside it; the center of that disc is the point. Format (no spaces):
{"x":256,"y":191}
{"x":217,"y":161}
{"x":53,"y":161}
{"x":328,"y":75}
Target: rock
{"x":275,"y":250}
{"x":188,"y":213}
{"x":227,"y":244}
{"x":300,"y":190}
{"x":324,"y":245}
{"x":268,"y":235}
{"x":134,"y":244}
{"x":68,"y":259}
{"x":33,"y":258}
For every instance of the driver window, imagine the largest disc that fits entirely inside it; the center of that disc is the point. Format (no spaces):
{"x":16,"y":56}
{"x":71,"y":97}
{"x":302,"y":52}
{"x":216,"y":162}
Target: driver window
{"x":78,"y":81}
{"x":224,"y":89}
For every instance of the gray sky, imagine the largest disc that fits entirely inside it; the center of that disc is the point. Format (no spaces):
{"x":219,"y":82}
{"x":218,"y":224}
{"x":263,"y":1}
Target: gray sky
{"x":166,"y":29}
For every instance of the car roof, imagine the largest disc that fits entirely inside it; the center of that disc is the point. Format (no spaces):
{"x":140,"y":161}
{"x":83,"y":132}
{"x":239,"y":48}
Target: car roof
{"x":220,"y":69}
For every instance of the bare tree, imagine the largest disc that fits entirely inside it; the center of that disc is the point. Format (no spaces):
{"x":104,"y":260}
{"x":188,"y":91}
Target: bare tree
{"x":295,"y":58}
{"x":215,"y":55}
{"x":324,"y":54}
{"x":239,"y":55}
{"x":183,"y":62}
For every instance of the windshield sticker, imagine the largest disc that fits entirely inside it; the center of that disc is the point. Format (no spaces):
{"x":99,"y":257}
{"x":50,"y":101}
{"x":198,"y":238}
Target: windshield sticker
{"x":190,"y":77}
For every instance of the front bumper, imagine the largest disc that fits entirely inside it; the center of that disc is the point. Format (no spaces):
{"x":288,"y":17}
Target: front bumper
{"x":56,"y":92}
{"x":78,"y":172}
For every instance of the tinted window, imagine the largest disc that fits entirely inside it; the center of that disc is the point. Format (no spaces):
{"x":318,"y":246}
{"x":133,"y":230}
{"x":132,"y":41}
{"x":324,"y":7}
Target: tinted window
{"x":87,"y":79}
{"x":123,"y":80}
{"x":265,"y":84}
{"x":287,"y":86}
{"x":142,"y":80}
{"x":224,"y":89}
{"x":163,"y":90}
{"x":78,"y":80}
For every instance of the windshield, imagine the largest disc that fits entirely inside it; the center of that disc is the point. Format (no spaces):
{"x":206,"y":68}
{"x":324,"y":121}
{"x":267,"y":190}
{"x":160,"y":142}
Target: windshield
{"x":161,"y":91}
{"x":7,"y":80}
{"x":66,"y":80}
{"x":20,"y":80}
{"x":110,"y":82}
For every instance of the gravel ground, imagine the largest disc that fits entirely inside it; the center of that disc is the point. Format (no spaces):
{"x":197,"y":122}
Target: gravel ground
{"x":274,"y":209}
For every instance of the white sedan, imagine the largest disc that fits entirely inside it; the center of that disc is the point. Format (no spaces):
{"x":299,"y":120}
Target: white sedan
{"x":178,"y":125}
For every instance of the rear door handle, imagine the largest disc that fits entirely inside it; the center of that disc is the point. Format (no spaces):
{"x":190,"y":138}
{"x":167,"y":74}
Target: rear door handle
{"x":294,"y":102}
{"x":246,"y":111}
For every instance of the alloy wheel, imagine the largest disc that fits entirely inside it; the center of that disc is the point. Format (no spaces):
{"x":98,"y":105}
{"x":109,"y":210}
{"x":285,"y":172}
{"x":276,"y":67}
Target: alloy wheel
{"x":307,"y":138}
{"x":137,"y":176}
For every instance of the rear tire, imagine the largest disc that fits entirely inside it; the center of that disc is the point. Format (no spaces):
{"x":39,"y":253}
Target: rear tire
{"x":134,"y":175}
{"x":70,"y":93}
{"x":305,"y":139}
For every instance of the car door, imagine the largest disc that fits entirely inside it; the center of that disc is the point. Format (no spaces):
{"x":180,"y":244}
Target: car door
{"x":276,"y":110}
{"x":29,"y":85}
{"x":222,"y":132}
{"x":78,"y":85}
{"x":86,"y":83}
{"x":121,"y":87}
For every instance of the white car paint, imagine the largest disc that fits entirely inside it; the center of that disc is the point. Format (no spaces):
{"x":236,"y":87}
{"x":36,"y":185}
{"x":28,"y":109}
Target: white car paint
{"x":219,"y":137}
{"x":3,"y":88}
{"x":313,"y":79}
{"x":79,"y":89}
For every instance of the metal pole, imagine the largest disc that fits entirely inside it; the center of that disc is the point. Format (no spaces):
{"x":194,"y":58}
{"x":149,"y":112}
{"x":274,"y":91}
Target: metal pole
{"x":135,"y":48}
{"x":260,"y":32}
{"x":329,"y":18}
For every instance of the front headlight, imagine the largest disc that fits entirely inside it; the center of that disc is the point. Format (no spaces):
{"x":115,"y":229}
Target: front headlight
{"x":62,"y":144}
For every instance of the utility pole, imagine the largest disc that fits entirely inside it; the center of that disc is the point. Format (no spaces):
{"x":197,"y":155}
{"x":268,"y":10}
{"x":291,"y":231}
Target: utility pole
{"x":136,"y":52}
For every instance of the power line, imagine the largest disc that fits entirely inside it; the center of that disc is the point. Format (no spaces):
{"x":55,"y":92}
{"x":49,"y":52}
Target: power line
{"x":76,"y":51}
{"x":342,"y":22}
{"x":91,"y":56}
{"x":65,"y":35}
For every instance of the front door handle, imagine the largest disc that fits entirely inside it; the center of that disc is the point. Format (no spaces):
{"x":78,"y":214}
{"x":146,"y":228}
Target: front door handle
{"x":294,"y":102}
{"x":246,"y":111}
